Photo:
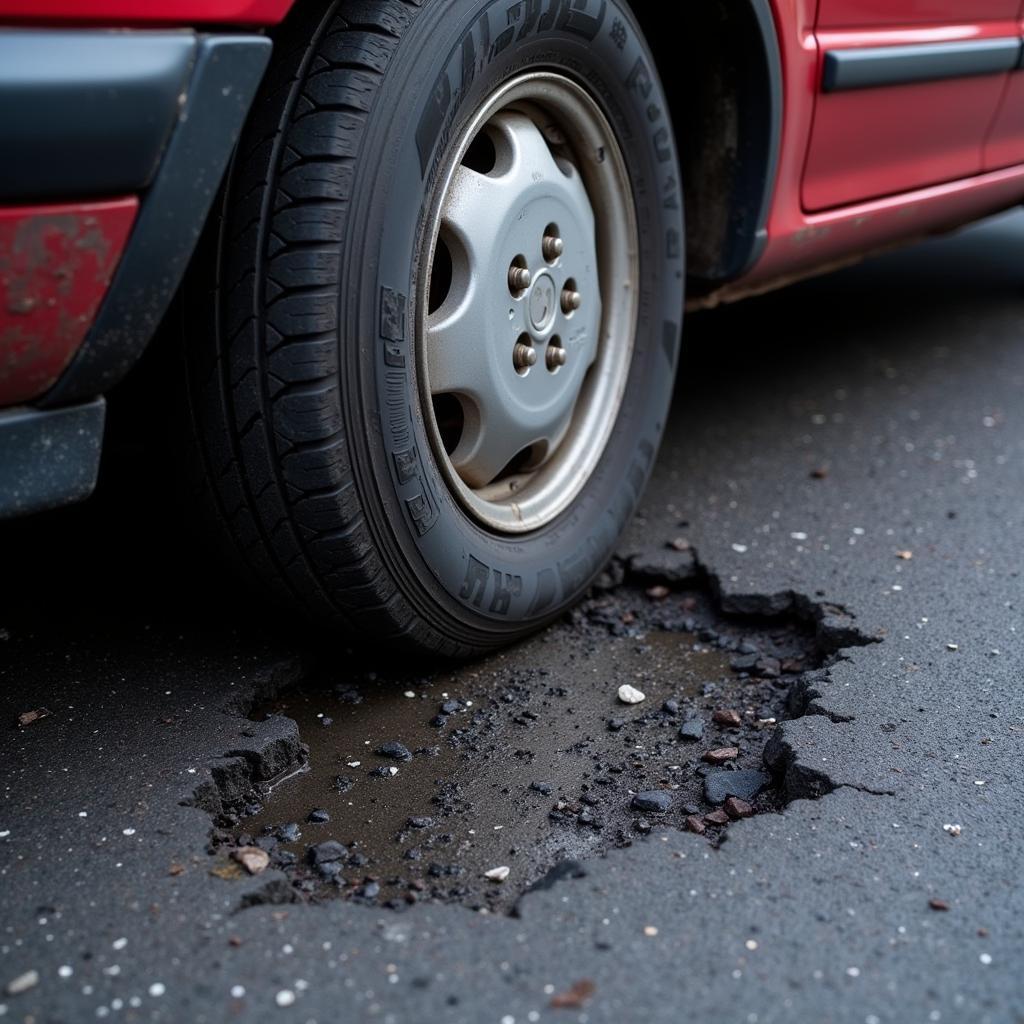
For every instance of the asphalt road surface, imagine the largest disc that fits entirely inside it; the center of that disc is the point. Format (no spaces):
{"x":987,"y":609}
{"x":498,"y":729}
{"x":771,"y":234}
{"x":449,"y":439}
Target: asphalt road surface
{"x":855,"y":443}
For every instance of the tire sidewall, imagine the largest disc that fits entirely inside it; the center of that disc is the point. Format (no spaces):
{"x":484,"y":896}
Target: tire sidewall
{"x":472,"y":585}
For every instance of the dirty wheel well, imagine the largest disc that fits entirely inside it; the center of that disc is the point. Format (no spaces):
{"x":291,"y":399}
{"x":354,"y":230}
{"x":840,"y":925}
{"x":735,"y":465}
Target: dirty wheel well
{"x":722,"y":72}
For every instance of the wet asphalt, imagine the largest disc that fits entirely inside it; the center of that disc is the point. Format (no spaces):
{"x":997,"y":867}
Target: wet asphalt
{"x":865,"y":455}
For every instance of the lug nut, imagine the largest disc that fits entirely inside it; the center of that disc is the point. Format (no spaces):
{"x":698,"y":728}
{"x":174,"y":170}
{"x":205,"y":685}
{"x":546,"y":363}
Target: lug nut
{"x":556,"y":357}
{"x":518,"y":278}
{"x":552,"y":247}
{"x":571,"y":301}
{"x":523,"y":356}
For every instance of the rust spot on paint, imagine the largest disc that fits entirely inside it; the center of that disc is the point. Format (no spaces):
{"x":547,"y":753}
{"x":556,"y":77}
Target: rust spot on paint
{"x":56,"y":263}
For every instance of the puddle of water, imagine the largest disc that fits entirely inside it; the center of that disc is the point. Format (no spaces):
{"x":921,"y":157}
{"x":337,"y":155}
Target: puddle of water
{"x":538,"y":764}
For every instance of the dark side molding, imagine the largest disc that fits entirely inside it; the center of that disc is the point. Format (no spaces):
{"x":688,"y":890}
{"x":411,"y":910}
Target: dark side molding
{"x":209,"y":116}
{"x":87,"y":113}
{"x":875,"y":66}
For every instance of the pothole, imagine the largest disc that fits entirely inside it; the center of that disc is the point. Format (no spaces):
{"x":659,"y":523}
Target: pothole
{"x":429,"y":787}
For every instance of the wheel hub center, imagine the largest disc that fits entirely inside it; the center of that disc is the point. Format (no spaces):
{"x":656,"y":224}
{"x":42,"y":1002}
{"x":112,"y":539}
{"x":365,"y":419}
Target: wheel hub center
{"x":542,"y":303}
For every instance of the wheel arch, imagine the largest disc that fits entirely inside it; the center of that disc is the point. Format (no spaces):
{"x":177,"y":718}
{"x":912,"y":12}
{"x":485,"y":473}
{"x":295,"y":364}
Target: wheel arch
{"x":723,"y":71}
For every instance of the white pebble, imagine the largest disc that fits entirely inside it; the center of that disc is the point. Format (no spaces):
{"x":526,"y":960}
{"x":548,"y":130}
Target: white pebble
{"x":953,"y":830}
{"x":65,"y":971}
{"x":22,"y":983}
{"x":127,"y":831}
{"x":740,"y":549}
{"x":630,"y":694}
{"x":409,"y":693}
{"x":237,"y":991}
{"x":119,"y":943}
{"x":285,"y":997}
{"x":985,"y":958}
{"x":498,"y":874}
{"x":157,"y":989}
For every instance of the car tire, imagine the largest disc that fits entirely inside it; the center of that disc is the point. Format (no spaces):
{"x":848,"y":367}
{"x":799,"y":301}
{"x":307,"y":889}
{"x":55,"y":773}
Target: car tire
{"x":311,"y":312}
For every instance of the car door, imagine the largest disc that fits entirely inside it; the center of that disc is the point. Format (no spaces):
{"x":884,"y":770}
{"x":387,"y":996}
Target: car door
{"x":1005,"y":143}
{"x":907,"y":94}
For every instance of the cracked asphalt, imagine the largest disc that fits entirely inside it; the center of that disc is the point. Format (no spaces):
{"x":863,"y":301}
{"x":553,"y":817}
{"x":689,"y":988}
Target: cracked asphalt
{"x":819,"y":436}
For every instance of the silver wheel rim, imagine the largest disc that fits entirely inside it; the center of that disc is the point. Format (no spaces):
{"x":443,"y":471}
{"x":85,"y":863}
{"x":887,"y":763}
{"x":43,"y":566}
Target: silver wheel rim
{"x":527,"y":318}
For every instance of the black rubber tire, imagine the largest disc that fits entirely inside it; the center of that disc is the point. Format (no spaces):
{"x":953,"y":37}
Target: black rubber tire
{"x":300,"y":324}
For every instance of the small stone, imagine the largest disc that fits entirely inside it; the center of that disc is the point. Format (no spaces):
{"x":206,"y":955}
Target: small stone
{"x":616,"y":724}
{"x":694,"y":824}
{"x":544,"y":788}
{"x":28,"y":717}
{"x":252,"y":858}
{"x":692,"y":730}
{"x":421,"y":823}
{"x":952,"y":647}
{"x":286,"y":997}
{"x":655,"y":801}
{"x":953,"y":830}
{"x":326,"y":852}
{"x":451,"y":707}
{"x":575,"y":998}
{"x":674,"y":566}
{"x":745,"y":662}
{"x":658,"y":593}
{"x":396,"y":751}
{"x":904,"y":556}
{"x":721,"y":755}
{"x":369,"y":890}
{"x":22,"y":983}
{"x":631,"y":695}
{"x":343,"y":783}
{"x":498,"y":874}
{"x":670,"y":707}
{"x":327,"y":720}
{"x":744,"y":784}
{"x":727,"y":717}
{"x":288,"y":833}
{"x":717,"y":818}
{"x":737,"y":808}
{"x":937,"y":904}
{"x":318,"y":816}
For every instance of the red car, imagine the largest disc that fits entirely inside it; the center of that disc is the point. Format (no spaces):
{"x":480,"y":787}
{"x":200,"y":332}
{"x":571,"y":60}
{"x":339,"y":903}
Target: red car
{"x":428,"y":259}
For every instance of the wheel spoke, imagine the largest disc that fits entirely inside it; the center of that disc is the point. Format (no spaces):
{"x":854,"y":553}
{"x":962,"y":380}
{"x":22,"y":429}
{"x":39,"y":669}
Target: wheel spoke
{"x":493,"y":437}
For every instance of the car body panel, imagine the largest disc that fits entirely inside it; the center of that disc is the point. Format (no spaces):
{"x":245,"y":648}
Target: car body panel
{"x":129,"y":13}
{"x":802,"y":240}
{"x":56,"y":264}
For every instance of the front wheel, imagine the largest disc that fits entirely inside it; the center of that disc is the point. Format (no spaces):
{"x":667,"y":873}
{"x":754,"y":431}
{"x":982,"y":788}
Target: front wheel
{"x":431,"y":380}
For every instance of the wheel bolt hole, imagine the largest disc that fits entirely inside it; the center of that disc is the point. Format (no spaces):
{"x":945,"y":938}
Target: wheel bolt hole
{"x":571,"y":298}
{"x":556,"y":356}
{"x":524,"y":355}
{"x":552,"y":245}
{"x":519,"y":277}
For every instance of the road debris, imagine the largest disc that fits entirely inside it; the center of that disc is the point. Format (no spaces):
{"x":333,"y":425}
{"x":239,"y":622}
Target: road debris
{"x":631,"y":695}
{"x":498,"y":874}
{"x":252,"y":858}
{"x":22,"y":983}
{"x":28,"y":717}
{"x":721,"y":755}
{"x":578,"y":995}
{"x":655,"y":801}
